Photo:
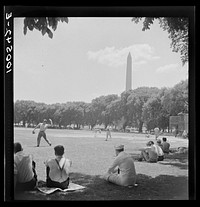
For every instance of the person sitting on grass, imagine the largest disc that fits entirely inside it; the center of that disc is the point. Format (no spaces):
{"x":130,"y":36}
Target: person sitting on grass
{"x":165,"y":145}
{"x":149,"y":153}
{"x":57,"y":169}
{"x":122,"y":172}
{"x":159,"y":150}
{"x":25,"y":177}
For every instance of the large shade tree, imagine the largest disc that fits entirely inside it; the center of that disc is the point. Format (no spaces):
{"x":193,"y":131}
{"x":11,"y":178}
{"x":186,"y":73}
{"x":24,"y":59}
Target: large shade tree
{"x":177,"y":28}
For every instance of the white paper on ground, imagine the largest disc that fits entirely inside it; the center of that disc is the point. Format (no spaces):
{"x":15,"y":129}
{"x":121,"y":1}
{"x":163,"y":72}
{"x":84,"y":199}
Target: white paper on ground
{"x":71,"y":187}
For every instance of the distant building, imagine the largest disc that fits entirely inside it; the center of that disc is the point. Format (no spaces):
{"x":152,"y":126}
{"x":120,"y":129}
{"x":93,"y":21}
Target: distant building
{"x":129,"y":72}
{"x":179,"y":122}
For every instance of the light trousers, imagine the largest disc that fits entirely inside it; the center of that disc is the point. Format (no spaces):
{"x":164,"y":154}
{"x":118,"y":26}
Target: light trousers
{"x":118,"y":179}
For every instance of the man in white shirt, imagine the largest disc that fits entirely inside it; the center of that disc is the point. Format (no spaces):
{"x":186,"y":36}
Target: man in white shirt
{"x":159,"y":150}
{"x":122,"y":171}
{"x":57,"y":169}
{"x":156,"y":132}
{"x":149,"y":153}
{"x":43,"y":126}
{"x":108,"y":133}
{"x":25,"y":177}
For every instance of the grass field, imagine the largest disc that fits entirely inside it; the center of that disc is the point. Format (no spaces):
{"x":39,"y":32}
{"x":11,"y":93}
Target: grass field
{"x":91,"y":156}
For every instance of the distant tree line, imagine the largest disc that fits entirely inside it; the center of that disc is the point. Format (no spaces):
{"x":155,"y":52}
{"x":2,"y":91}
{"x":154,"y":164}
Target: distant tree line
{"x":145,"y":105}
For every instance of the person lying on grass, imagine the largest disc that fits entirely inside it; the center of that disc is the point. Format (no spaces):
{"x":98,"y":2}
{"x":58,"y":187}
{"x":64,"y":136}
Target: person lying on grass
{"x":122,"y":172}
{"x":57,"y":169}
{"x":152,"y":153}
{"x":25,"y":177}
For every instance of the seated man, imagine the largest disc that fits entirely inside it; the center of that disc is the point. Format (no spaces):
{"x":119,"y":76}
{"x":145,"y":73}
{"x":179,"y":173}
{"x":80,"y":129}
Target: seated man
{"x":25,"y":177}
{"x":165,"y":145}
{"x":122,"y":171}
{"x":57,"y":170}
{"x":149,"y":153}
{"x":159,"y":150}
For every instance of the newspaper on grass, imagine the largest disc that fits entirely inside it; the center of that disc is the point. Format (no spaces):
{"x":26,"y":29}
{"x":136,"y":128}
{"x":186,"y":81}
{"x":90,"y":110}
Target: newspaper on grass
{"x":72,"y":187}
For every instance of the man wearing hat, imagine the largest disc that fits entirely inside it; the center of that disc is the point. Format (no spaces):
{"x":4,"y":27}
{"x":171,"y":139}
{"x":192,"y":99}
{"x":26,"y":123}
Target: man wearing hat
{"x":43,"y":126}
{"x":122,"y":171}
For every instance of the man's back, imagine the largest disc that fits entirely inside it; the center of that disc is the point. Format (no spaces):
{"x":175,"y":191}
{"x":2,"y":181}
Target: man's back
{"x":127,"y":175}
{"x":23,"y":167}
{"x":126,"y":164}
{"x":59,"y":173}
{"x":165,"y":147}
{"x":153,"y":156}
{"x":159,"y":150}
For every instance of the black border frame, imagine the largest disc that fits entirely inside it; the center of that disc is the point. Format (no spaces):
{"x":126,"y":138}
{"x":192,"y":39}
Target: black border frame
{"x":95,"y":11}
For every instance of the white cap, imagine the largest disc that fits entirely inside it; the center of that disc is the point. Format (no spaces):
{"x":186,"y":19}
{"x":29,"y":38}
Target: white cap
{"x":119,"y":147}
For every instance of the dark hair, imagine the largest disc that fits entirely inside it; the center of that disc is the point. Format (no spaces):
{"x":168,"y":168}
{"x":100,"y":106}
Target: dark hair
{"x":164,"y":139}
{"x":59,"y":150}
{"x":149,"y":143}
{"x":17,"y":147}
{"x":158,"y":141}
{"x":120,"y":150}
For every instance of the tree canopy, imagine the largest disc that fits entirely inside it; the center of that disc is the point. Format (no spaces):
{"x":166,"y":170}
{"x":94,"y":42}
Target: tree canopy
{"x":177,"y":28}
{"x":43,"y":24}
{"x":144,"y":105}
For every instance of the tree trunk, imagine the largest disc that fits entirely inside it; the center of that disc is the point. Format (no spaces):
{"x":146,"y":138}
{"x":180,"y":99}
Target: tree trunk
{"x":59,"y":125}
{"x":92,"y":126}
{"x":140,"y":126}
{"x":124,"y":126}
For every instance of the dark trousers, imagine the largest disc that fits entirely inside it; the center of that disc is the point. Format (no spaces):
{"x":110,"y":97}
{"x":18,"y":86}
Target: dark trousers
{"x":54,"y":184}
{"x":160,"y":158}
{"x":27,"y":185}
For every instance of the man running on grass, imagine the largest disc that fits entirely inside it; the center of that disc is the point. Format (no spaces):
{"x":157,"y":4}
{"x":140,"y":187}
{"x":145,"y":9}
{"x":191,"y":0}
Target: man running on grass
{"x":43,"y":126}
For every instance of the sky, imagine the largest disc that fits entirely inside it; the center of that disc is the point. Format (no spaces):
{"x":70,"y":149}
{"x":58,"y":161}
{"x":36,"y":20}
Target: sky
{"x":86,"y":59}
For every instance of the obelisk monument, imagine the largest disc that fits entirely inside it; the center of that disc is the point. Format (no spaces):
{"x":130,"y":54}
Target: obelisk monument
{"x":129,"y":72}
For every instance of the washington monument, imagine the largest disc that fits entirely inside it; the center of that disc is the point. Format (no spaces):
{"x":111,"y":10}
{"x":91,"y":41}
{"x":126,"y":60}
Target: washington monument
{"x":129,"y":72}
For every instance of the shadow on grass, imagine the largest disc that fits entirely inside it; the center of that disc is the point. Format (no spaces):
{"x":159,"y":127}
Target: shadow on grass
{"x":179,"y":160}
{"x":162,"y":187}
{"x":181,"y":157}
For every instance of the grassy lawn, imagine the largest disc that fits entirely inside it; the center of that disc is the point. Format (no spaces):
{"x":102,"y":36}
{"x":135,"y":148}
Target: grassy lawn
{"x":91,"y":156}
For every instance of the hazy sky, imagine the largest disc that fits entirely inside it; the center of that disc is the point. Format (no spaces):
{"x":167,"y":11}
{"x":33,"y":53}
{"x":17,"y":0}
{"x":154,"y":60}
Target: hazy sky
{"x":87,"y":58}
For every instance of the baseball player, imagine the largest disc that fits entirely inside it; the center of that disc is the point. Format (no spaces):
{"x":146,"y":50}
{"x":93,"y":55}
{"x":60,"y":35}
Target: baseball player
{"x":42,"y":128}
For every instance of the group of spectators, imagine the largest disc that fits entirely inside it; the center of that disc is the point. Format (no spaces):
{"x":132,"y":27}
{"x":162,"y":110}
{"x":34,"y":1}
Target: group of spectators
{"x":25,"y":176}
{"x":155,"y":152}
{"x":121,"y":172}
